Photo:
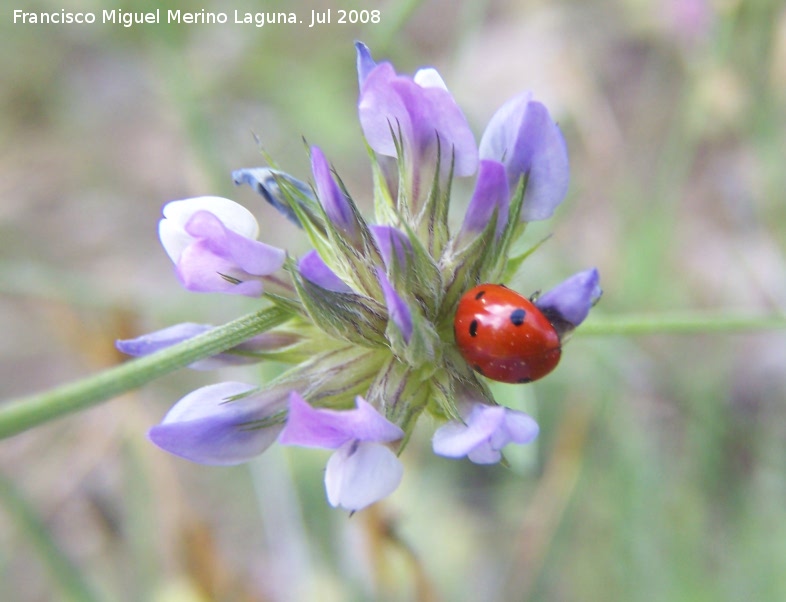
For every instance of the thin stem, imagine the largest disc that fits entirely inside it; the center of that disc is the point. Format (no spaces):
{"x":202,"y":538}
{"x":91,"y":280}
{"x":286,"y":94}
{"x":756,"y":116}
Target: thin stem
{"x":24,"y":413}
{"x":680,"y":323}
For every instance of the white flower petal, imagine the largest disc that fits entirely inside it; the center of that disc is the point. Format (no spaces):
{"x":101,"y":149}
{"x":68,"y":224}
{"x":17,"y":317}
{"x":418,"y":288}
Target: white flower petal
{"x":171,"y":229}
{"x":361,"y":473}
{"x":429,"y":78}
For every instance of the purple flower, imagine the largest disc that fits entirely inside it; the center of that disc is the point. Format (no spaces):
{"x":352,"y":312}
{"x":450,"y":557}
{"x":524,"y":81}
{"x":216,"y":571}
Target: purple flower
{"x":337,"y":205}
{"x":365,"y":63}
{"x":212,"y":242}
{"x":522,"y":135}
{"x":568,"y":303}
{"x":266,"y":182}
{"x":314,"y":269}
{"x":485,"y":431}
{"x":421,"y":109}
{"x":222,"y":424}
{"x":491,"y":194}
{"x":248,"y":352}
{"x":393,"y":245}
{"x":362,"y":470}
{"x":398,"y":311}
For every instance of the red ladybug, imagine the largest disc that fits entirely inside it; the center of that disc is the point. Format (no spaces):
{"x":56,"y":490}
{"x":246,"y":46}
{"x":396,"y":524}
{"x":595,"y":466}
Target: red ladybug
{"x":502,"y":335}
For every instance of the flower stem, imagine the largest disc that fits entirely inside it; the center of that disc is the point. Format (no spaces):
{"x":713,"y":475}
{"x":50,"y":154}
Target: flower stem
{"x":24,"y":413}
{"x":680,"y":323}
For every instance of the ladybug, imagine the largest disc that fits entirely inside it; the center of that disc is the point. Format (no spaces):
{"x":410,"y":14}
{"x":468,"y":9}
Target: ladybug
{"x":504,"y":336}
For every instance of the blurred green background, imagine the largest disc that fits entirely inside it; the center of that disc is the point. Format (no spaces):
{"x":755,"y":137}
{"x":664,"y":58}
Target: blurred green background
{"x":660,"y":472}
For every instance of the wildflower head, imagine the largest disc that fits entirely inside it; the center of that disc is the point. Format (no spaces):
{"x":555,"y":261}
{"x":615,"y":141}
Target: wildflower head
{"x":370,"y":338}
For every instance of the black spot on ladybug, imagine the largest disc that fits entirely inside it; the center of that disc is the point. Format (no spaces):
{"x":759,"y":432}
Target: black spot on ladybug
{"x":517,"y":316}
{"x":479,"y":295}
{"x":524,"y":380}
{"x":473,"y":328}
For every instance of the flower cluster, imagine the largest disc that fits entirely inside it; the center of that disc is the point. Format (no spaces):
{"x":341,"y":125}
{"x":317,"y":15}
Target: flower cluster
{"x":370,"y":335}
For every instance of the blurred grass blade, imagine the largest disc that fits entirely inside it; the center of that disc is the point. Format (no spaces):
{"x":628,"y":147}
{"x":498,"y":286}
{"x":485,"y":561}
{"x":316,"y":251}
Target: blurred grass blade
{"x":70,"y":582}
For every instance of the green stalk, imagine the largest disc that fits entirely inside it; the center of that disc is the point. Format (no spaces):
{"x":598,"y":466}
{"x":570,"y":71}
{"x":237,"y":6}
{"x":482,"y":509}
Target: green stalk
{"x":24,"y":413}
{"x":680,"y":323}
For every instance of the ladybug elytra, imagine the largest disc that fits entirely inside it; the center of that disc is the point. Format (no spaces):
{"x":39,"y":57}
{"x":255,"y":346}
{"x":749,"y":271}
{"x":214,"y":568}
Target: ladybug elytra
{"x":504,"y":336}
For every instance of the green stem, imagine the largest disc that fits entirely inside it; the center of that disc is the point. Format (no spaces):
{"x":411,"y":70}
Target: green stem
{"x":679,"y":323}
{"x":24,"y":413}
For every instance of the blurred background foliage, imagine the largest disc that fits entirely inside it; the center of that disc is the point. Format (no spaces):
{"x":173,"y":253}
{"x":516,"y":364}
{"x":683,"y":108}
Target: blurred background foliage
{"x":660,"y":472}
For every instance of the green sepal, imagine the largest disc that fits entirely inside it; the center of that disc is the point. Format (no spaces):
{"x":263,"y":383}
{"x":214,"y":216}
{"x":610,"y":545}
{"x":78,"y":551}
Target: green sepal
{"x":304,"y":207}
{"x":400,"y":393}
{"x":466,"y":267}
{"x":347,"y":316}
{"x":431,"y":222}
{"x":420,"y":276}
{"x":512,"y":232}
{"x":514,"y":263}
{"x":424,"y":347}
{"x":384,"y":206}
{"x":331,"y":378}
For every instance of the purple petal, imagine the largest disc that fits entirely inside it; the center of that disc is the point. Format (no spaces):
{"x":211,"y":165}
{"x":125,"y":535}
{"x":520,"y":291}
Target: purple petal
{"x":336,"y":204}
{"x":522,"y":135}
{"x":171,"y":229}
{"x":398,"y":310}
{"x":487,"y":430}
{"x":359,"y":474}
{"x":220,"y":260}
{"x":312,"y":427}
{"x":200,"y":270}
{"x":208,"y":427}
{"x":365,"y":63}
{"x":265,"y":181}
{"x":456,"y":439}
{"x":313,"y":268}
{"x":161,"y":339}
{"x":491,"y":193}
{"x":391,"y":240}
{"x":424,"y":114}
{"x":571,"y":300}
{"x":251,"y":256}
{"x":244,"y":353}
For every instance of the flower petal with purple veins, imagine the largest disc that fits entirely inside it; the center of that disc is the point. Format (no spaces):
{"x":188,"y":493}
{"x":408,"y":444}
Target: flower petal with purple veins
{"x":571,"y":300}
{"x":318,"y":427}
{"x":209,"y":427}
{"x":361,"y":473}
{"x":313,"y":268}
{"x":522,"y":135}
{"x":398,"y":310}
